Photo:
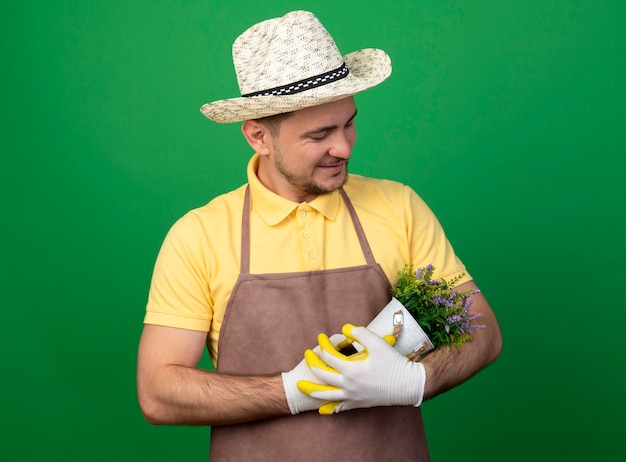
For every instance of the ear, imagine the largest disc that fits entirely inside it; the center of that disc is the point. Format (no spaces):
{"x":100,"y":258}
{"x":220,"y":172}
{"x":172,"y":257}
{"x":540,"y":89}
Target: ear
{"x":257,"y":135}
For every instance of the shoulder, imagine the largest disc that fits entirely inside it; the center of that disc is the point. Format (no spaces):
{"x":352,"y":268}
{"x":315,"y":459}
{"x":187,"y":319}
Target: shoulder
{"x":217,"y":217}
{"x":226,"y":206}
{"x":379,"y":191}
{"x":389,"y":198}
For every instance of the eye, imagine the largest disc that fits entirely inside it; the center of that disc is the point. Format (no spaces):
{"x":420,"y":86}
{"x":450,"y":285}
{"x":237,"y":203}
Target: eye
{"x":319,"y":136}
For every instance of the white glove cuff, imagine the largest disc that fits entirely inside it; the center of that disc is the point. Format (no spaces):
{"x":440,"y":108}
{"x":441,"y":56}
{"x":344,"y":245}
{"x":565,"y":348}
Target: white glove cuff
{"x":290,"y":390}
{"x":421,"y":383}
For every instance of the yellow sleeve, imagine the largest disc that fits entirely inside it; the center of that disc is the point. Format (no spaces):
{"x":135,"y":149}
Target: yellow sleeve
{"x":179,"y":292}
{"x":428,"y":241}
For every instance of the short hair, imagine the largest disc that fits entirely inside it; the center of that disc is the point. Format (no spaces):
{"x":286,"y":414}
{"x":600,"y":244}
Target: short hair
{"x":274,"y":122}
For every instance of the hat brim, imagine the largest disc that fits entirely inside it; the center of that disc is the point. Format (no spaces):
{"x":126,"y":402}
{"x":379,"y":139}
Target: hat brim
{"x":367,"y":67}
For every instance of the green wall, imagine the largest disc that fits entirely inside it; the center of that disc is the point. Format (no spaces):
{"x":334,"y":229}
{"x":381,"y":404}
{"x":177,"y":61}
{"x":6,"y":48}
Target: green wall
{"x":506,"y":116}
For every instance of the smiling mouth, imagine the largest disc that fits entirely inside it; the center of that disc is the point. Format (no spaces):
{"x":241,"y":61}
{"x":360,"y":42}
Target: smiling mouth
{"x":334,"y":164}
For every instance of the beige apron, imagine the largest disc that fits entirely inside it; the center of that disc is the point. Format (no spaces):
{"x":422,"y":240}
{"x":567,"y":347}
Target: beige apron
{"x":269,"y":321}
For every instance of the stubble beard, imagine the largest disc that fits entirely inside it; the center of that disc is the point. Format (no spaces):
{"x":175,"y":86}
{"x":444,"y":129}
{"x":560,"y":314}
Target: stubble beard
{"x":308,"y":185}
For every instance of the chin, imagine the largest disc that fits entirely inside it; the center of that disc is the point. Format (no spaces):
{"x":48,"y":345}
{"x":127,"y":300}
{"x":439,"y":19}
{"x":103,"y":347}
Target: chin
{"x":335,"y":185}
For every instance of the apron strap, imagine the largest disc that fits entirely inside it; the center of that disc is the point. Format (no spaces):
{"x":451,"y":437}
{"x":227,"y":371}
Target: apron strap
{"x":365,"y":247}
{"x":245,"y":232}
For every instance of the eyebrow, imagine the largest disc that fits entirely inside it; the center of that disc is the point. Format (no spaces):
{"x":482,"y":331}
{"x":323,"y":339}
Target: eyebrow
{"x":328,"y":127}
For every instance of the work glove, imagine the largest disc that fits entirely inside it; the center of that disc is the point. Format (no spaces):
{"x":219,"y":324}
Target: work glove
{"x":297,"y":400}
{"x":376,"y":376}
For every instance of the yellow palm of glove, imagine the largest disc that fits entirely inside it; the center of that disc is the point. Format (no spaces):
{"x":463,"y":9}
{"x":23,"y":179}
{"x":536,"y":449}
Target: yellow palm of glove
{"x":313,"y":361}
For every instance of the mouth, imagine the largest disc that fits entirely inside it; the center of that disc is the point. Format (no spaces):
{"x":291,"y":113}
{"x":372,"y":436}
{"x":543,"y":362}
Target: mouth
{"x":333,"y":165}
{"x":333,"y":169}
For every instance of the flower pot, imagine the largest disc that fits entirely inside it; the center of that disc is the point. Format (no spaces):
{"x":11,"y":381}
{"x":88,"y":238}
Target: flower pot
{"x":412,"y":341}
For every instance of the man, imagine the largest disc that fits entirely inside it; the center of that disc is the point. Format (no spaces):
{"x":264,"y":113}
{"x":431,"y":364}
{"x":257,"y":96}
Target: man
{"x":302,"y":249}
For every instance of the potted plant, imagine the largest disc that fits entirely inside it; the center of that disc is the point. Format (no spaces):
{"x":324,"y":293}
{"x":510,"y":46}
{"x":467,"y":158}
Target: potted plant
{"x":426,"y":314}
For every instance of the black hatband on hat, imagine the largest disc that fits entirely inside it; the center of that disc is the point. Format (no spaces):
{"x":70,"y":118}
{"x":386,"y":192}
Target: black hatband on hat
{"x":305,"y":84}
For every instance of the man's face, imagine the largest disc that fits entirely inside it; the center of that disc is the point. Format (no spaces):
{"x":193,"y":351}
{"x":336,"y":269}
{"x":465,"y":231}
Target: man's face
{"x":308,"y":155}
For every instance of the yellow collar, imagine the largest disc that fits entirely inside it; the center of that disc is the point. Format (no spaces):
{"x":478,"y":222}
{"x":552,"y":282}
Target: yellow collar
{"x":273,"y":208}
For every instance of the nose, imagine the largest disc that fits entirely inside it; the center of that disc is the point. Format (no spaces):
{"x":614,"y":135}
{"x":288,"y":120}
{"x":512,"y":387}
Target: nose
{"x":342,"y":145}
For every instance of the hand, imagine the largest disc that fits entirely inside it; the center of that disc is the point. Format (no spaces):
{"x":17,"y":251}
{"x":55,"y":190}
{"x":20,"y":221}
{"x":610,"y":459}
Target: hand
{"x":296,"y":399}
{"x":377,"y":376}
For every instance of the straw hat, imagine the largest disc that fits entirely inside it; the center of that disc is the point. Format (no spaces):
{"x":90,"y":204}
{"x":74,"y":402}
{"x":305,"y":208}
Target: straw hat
{"x":292,"y":62}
